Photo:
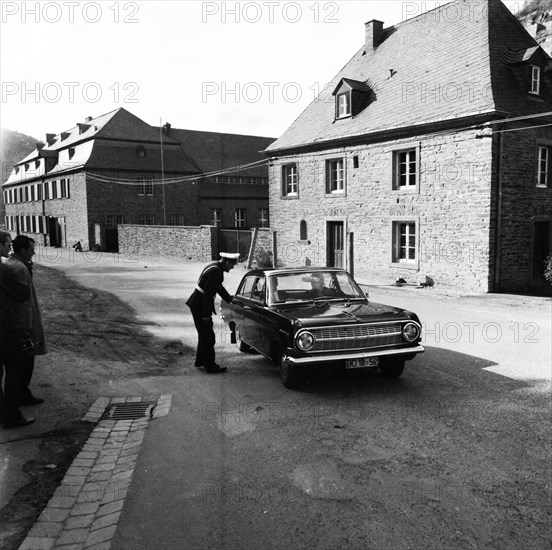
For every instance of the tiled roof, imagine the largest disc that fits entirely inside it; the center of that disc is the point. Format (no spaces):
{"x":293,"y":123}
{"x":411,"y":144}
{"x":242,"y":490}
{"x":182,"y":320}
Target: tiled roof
{"x":213,"y":151}
{"x":430,"y":68}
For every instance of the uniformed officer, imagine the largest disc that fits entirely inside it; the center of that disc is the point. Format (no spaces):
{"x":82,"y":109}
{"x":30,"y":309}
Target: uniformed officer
{"x":202,"y":305}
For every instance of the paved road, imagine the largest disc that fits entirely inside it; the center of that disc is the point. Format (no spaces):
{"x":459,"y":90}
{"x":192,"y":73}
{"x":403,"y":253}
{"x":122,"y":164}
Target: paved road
{"x":455,"y":454}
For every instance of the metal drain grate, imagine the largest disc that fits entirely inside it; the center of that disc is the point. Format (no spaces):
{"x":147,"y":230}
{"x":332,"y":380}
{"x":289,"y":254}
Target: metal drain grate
{"x":128,"y":411}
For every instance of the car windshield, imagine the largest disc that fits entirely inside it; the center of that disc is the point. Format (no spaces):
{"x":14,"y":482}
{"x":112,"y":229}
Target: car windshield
{"x":318,"y":285}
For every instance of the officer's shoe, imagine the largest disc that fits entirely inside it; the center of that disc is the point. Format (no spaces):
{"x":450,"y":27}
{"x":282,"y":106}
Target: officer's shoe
{"x":17,"y":422}
{"x":214,"y":369}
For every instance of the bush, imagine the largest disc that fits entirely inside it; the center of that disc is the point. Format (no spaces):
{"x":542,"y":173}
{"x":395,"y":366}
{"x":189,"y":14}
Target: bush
{"x":548,"y":269}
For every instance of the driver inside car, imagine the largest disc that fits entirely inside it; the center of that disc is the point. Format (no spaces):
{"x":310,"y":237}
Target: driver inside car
{"x":318,"y":289}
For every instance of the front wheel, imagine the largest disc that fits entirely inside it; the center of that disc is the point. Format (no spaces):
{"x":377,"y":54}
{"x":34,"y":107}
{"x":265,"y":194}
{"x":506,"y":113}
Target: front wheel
{"x":393,"y":369}
{"x":242,"y":346}
{"x":288,"y":372}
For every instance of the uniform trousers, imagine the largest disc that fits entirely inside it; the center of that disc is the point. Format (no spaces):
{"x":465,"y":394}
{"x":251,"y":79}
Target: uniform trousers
{"x":205,"y":354}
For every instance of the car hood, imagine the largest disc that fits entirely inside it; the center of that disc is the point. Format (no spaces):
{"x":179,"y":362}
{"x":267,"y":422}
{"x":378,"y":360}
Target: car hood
{"x":342,"y":312}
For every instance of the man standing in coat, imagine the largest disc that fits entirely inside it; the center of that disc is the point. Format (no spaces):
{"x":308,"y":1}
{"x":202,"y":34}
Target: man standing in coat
{"x":12,"y":291}
{"x":24,"y":338}
{"x":202,"y":305}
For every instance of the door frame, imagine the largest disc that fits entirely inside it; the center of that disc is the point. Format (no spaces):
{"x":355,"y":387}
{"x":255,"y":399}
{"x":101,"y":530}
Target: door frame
{"x":346,"y":253}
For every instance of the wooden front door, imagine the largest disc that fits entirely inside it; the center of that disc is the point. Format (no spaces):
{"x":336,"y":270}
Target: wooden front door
{"x":336,"y":244}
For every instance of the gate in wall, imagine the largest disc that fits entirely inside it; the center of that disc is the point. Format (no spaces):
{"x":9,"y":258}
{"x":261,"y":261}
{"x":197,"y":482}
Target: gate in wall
{"x":235,"y":240}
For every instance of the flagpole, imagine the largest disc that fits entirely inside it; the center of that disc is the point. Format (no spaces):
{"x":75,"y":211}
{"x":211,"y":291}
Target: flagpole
{"x":162,"y":171}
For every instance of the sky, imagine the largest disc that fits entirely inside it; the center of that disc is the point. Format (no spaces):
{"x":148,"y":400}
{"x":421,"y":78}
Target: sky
{"x":246,"y":67}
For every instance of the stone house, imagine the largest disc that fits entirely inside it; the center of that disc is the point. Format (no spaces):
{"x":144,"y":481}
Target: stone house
{"x":428,"y":155}
{"x":117,"y":169}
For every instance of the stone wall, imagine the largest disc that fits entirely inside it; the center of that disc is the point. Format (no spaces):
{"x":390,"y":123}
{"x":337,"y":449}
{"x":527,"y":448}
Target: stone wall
{"x":451,"y":207}
{"x":189,"y":243}
{"x":523,"y":204}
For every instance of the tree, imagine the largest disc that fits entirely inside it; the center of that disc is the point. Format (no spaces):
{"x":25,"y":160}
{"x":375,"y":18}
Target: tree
{"x":537,"y":12}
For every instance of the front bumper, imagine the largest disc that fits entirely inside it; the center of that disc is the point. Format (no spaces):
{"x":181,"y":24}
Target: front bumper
{"x":334,"y":357}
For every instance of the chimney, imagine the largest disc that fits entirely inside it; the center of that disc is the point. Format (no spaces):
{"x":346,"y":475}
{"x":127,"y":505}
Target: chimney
{"x":372,"y":32}
{"x":50,"y":138}
{"x":167,"y":128}
{"x":88,"y":119}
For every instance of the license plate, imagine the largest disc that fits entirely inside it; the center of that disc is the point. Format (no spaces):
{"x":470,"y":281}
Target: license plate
{"x":361,"y":363}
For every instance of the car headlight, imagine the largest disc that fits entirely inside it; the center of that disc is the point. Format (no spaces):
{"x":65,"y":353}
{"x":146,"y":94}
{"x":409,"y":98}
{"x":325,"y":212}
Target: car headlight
{"x":304,"y":341}
{"x":410,"y":332}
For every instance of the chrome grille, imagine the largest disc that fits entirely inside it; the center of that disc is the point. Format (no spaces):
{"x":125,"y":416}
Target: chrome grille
{"x":356,"y":337}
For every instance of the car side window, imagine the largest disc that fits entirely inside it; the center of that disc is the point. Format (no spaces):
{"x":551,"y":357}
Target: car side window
{"x":257,"y":293}
{"x":246,"y":287}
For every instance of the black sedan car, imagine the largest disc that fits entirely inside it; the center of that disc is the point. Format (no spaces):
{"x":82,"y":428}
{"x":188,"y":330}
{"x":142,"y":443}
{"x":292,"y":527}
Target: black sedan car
{"x":309,"y":316}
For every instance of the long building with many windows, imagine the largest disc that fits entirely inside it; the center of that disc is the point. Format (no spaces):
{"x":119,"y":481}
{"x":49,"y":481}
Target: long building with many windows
{"x":117,"y":169}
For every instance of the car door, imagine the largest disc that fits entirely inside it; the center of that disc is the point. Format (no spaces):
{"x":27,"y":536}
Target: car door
{"x":256,"y":313}
{"x":262,"y":320}
{"x":241,"y":307}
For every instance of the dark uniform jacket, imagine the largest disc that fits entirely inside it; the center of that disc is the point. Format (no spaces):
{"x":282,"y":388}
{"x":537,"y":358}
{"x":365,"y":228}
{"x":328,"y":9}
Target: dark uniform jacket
{"x":208,"y":285}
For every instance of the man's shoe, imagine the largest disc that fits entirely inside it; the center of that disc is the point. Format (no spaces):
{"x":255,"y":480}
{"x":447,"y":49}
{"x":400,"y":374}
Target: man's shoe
{"x":31,"y":400}
{"x":215,"y":369}
{"x":198,"y":366}
{"x":18,"y":422}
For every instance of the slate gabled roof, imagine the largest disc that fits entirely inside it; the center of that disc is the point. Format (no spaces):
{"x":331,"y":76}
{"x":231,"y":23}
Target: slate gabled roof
{"x":214,"y":151}
{"x":434,"y":67}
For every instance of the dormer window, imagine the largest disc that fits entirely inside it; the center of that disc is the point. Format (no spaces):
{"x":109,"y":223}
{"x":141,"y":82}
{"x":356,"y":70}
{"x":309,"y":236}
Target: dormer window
{"x":343,"y":104}
{"x":71,"y":152}
{"x":351,"y":98}
{"x":535,"y":80}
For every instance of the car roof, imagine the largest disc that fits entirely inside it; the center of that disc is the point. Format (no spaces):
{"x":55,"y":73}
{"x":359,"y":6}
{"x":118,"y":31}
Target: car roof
{"x":269,"y":271}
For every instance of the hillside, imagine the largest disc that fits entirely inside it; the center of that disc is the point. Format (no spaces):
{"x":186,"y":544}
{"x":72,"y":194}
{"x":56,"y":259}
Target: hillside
{"x":13,"y":147}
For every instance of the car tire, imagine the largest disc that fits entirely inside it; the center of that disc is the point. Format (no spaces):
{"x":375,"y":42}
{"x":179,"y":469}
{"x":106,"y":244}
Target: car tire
{"x":289,"y":373}
{"x":242,"y":346}
{"x":392,"y":369}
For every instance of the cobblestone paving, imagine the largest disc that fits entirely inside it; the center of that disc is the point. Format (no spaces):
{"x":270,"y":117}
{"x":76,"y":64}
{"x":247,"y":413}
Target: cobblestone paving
{"x":85,"y":508}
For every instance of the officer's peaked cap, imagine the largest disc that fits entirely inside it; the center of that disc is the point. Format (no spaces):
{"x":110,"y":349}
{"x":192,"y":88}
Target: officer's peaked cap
{"x":230,"y":256}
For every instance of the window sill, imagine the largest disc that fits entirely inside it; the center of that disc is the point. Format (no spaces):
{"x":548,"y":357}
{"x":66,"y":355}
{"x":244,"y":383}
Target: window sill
{"x":336,"y":194}
{"x":410,"y":189}
{"x":412,"y":266}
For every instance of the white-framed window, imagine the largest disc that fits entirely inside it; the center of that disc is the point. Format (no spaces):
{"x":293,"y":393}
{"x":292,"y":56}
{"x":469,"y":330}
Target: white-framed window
{"x":335,"y":176}
{"x":172,"y":219}
{"x":112,"y":220}
{"x":543,"y":164}
{"x":405,"y":168}
{"x":404,"y":242}
{"x":535,"y":79}
{"x":53,"y":189}
{"x":216,"y":216}
{"x":142,"y":219}
{"x":64,"y":188}
{"x":263,"y":217}
{"x":145,"y":187}
{"x":239,"y":217}
{"x":290,"y":180}
{"x":343,"y":104}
